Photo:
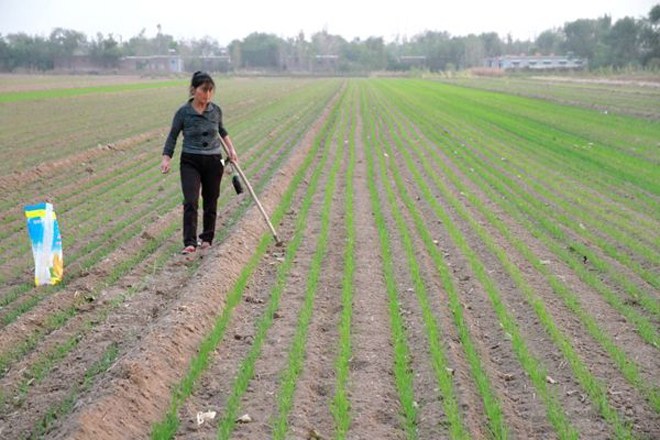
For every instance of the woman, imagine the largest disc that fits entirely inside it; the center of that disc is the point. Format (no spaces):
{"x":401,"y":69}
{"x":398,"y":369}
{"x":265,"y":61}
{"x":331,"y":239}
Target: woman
{"x":201,"y":159}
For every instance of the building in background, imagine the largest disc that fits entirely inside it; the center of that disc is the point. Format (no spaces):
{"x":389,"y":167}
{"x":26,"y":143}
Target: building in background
{"x":536,"y":62}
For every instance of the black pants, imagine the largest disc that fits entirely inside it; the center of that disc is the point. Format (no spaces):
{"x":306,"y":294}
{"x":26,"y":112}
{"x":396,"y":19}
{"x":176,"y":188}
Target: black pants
{"x":203,"y":172}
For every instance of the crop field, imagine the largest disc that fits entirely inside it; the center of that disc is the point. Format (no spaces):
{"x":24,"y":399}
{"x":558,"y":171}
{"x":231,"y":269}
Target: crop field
{"x":462,"y":260}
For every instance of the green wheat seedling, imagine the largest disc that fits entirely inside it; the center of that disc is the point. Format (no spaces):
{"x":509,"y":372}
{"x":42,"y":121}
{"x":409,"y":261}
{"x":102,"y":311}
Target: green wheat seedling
{"x":246,"y":369}
{"x":59,"y":319}
{"x":473,"y":169}
{"x":341,"y":406}
{"x":591,"y":385}
{"x":295,"y":361}
{"x":554,"y":170}
{"x":491,"y":403}
{"x":441,"y":367}
{"x":64,"y":407}
{"x":547,"y":231}
{"x":402,"y":373}
{"x":494,"y":153}
{"x":586,"y":379}
{"x":628,"y":368}
{"x":61,"y":93}
{"x":557,"y":216}
{"x":530,"y":364}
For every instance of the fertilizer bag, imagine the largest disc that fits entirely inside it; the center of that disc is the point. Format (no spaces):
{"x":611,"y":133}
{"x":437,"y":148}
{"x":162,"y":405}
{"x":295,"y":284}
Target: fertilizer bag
{"x":46,"y":243}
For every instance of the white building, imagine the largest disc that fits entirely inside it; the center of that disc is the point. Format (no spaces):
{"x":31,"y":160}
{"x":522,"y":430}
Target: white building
{"x":536,"y":62}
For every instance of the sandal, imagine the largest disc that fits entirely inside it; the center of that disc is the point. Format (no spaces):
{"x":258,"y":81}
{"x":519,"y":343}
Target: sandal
{"x":205,"y":245}
{"x":188,"y":250}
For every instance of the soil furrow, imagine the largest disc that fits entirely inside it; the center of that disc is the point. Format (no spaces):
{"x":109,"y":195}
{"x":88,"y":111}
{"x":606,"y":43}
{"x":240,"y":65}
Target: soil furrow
{"x":375,"y":407}
{"x":316,"y":385}
{"x":584,"y":415}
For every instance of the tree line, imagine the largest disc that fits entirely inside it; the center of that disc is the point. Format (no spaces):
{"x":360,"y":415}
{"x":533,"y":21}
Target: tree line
{"x":627,"y":42}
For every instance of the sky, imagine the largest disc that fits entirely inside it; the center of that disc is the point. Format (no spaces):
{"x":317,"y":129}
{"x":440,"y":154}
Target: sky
{"x":227,"y":21}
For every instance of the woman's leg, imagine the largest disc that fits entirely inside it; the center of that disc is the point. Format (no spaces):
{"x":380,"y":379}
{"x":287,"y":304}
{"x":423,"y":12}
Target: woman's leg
{"x":190,"y":184}
{"x":211,"y":178}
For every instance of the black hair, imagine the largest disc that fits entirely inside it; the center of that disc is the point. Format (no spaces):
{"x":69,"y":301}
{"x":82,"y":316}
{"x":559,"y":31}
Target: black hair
{"x":200,"y":78}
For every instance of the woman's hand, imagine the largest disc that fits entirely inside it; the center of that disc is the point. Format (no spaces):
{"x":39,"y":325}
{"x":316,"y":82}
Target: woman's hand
{"x":233,"y":157}
{"x":165,"y":164}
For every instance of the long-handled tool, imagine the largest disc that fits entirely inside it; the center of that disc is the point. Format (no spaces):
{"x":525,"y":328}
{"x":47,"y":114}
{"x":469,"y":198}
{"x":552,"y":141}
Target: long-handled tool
{"x":254,"y":196}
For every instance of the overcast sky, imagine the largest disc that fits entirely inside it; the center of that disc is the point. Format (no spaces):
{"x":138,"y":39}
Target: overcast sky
{"x":225,"y":21}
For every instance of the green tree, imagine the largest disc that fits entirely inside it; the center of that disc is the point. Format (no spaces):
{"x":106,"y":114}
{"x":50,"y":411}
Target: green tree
{"x":28,"y":52}
{"x":66,"y":42}
{"x":259,"y":50}
{"x":623,"y":41}
{"x":105,"y":52}
{"x":492,"y":45}
{"x":549,"y":42}
{"x":586,"y":39}
{"x":650,"y":51}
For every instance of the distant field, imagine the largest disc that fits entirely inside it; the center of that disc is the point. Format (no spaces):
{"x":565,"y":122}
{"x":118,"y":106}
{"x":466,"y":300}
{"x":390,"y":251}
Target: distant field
{"x":472,"y":259}
{"x":636,"y":97}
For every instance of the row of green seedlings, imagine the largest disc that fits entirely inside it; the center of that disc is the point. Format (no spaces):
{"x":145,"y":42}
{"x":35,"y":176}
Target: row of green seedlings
{"x":167,"y":428}
{"x":536,"y":166}
{"x":610,"y":133}
{"x":540,"y":217}
{"x":40,"y":369}
{"x":341,"y":406}
{"x":89,"y":250}
{"x":443,"y":374}
{"x":530,"y":364}
{"x":69,"y":92}
{"x":573,"y":172}
{"x":59,"y":353}
{"x":627,"y":366}
{"x":103,"y":241}
{"x":590,"y":199}
{"x":594,"y":389}
{"x":295,"y":359}
{"x":59,"y":409}
{"x":619,"y":236}
{"x":574,"y":247}
{"x":69,"y":130}
{"x":624,"y":100}
{"x":239,"y":114}
{"x":629,"y":135}
{"x":19,"y":221}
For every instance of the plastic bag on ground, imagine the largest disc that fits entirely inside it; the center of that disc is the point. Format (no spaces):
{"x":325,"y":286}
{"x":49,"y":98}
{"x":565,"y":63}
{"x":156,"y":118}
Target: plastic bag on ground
{"x":46,"y":241}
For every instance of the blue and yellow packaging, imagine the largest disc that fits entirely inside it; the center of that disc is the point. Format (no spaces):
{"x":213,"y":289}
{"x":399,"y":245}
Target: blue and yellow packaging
{"x":46,"y":243}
